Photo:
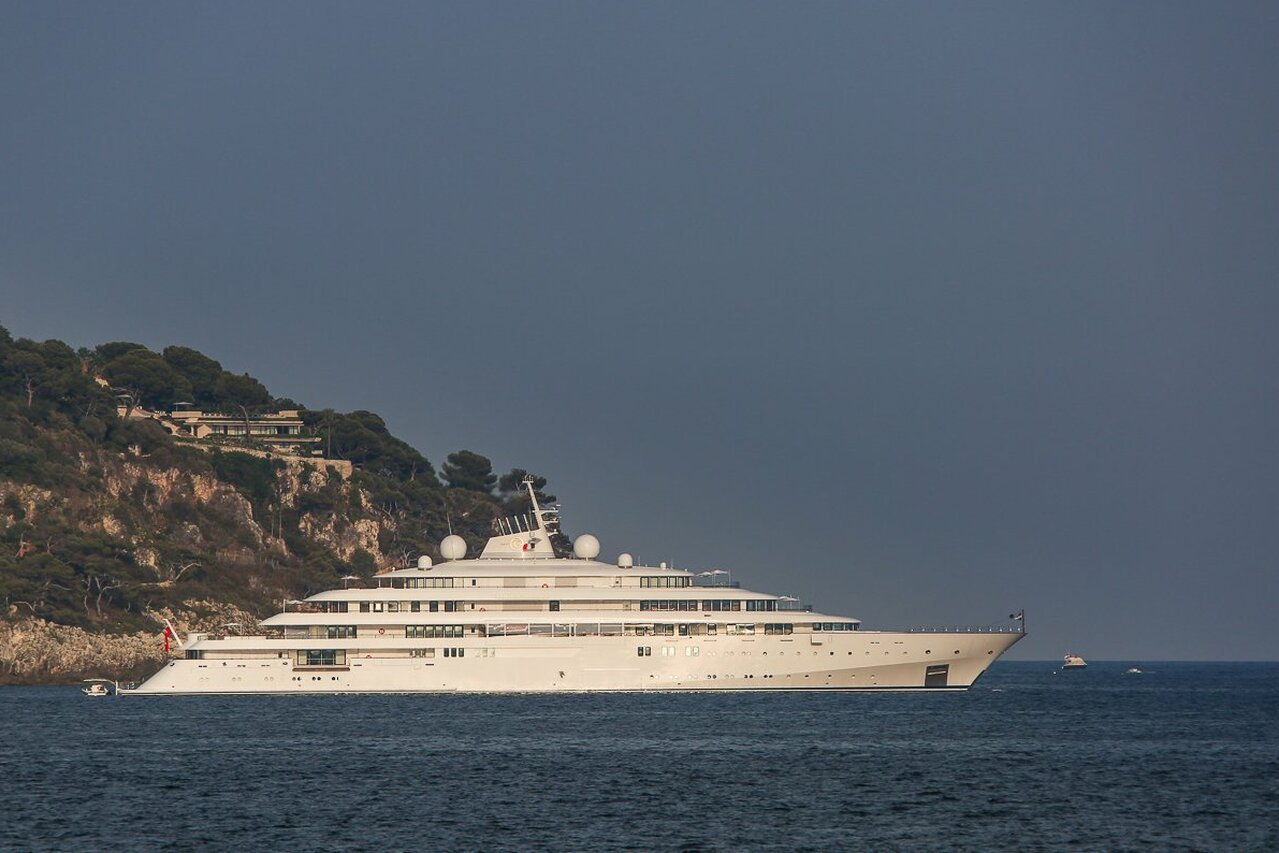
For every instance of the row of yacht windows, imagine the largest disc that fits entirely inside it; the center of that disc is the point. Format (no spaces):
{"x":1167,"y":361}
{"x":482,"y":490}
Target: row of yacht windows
{"x":709,"y":605}
{"x":669,"y":604}
{"x":422,"y":632}
{"x":344,"y":632}
{"x":668,"y":651}
{"x":409,"y":606}
{"x":665,"y":581}
{"x":449,"y":583}
{"x":706,"y":605}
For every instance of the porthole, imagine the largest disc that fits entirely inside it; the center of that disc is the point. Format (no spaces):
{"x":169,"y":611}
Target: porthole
{"x":928,"y":651}
{"x":956,"y":651}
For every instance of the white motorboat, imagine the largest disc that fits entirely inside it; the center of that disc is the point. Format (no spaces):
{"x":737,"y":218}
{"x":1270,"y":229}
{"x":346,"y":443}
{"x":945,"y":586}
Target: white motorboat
{"x":1074,"y":662}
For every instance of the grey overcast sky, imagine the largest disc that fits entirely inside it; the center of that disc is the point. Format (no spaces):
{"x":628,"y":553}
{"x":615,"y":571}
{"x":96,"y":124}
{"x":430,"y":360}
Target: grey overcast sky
{"x":921,"y":311}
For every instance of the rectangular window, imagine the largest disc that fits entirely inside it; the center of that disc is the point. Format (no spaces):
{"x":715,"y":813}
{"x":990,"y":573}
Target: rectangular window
{"x":435,"y":607}
{"x":415,"y":607}
{"x":555,"y":606}
{"x":420,"y":632}
{"x":364,"y":607}
{"x":377,"y":607}
{"x":393,"y":607}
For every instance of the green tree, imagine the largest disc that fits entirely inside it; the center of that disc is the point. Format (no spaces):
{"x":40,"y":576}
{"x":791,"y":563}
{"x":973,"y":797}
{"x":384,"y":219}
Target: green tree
{"x":27,"y":368}
{"x":242,"y":391}
{"x":198,"y":369}
{"x":106,"y":353}
{"x":147,"y":379}
{"x":362,"y":437}
{"x":467,"y":470}
{"x":510,"y":487}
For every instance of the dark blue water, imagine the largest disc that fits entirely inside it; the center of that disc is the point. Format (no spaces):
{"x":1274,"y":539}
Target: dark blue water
{"x":1185,"y":756}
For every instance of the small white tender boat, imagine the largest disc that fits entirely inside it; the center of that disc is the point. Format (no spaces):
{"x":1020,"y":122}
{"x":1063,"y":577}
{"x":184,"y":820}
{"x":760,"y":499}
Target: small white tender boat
{"x":1074,"y":662}
{"x":98,"y":688}
{"x":1133,"y":670}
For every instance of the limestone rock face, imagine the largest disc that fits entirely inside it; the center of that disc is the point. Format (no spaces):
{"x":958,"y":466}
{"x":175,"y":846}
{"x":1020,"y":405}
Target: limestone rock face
{"x":343,"y":537}
{"x":35,"y":651}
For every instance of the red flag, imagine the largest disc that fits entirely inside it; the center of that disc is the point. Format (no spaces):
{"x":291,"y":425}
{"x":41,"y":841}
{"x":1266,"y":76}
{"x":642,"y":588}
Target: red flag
{"x":167,"y":634}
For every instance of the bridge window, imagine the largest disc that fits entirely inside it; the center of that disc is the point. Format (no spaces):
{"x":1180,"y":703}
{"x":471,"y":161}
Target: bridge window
{"x":340,"y":632}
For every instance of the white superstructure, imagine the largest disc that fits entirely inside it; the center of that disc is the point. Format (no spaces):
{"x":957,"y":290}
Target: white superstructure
{"x":526,"y":616}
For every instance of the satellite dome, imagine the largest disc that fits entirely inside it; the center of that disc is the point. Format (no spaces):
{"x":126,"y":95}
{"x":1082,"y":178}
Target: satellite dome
{"x":586,"y":547}
{"x":424,"y":562}
{"x":625,"y":561}
{"x":453,"y":547}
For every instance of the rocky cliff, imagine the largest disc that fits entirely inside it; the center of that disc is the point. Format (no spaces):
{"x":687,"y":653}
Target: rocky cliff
{"x":110,"y":523}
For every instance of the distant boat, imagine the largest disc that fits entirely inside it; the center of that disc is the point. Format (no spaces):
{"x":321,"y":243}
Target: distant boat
{"x":1074,"y":662}
{"x":1132,"y":670}
{"x":96,"y":689}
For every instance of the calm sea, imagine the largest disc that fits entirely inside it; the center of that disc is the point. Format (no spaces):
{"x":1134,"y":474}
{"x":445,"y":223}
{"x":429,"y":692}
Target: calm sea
{"x":1185,"y":756}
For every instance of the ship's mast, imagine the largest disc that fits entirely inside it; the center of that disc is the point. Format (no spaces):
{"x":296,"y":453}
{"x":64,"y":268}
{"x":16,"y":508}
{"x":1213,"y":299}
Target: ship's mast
{"x":532,"y":496}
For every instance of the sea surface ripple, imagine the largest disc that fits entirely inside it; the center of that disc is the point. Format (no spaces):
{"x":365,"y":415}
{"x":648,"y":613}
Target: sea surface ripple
{"x":1184,"y":756}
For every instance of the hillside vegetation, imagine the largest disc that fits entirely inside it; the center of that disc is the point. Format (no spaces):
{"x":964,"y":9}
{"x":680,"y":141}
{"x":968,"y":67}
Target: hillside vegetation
{"x":107,"y":523}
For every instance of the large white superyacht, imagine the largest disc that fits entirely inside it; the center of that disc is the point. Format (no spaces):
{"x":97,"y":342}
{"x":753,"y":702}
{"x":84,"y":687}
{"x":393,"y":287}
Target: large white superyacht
{"x":530,"y":615}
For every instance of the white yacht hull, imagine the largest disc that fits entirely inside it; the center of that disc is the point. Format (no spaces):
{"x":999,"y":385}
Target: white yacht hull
{"x":856,"y":660}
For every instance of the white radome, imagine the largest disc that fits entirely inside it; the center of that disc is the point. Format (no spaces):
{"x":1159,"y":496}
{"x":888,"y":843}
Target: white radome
{"x":586,"y":547}
{"x":424,"y":562}
{"x":453,"y":547}
{"x":625,"y":561}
